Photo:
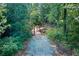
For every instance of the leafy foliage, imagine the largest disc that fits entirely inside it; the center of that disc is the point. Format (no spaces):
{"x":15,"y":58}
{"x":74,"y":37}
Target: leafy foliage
{"x":19,"y":30}
{"x":17,"y":20}
{"x":3,"y":20}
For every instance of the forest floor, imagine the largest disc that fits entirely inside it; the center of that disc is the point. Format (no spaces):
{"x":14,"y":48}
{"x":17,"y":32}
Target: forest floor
{"x":23,"y":51}
{"x":39,"y":46}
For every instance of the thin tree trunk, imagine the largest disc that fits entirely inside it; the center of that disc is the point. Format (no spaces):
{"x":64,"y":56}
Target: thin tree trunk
{"x":65,"y":23}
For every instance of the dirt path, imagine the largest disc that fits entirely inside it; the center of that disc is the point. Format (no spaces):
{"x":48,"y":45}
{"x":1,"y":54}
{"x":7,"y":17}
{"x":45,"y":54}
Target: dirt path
{"x":39,"y":46}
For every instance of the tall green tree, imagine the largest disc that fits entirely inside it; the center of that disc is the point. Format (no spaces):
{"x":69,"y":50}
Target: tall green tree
{"x":18,"y":17}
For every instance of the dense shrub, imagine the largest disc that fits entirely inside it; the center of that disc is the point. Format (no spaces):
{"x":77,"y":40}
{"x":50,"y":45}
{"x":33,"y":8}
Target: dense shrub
{"x":51,"y":33}
{"x":9,"y":49}
{"x":10,"y":46}
{"x":19,"y":30}
{"x":54,"y":34}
